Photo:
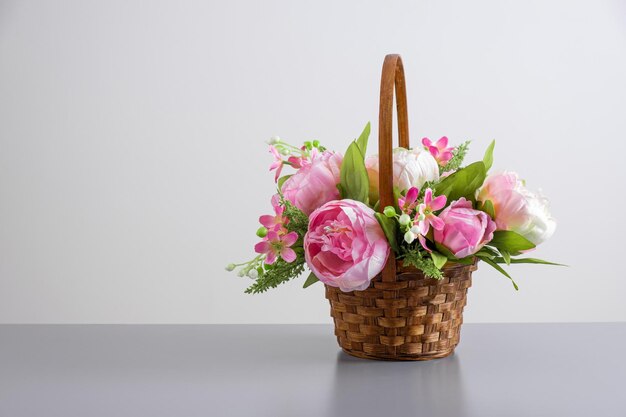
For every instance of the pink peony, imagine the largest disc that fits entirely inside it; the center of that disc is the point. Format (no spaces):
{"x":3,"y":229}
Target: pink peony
{"x":411,"y":168}
{"x":345,"y":246}
{"x":464,"y":230}
{"x":516,"y":208}
{"x":315,"y":183}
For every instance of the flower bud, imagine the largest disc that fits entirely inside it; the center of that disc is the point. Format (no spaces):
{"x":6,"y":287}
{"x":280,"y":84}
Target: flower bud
{"x":261,"y":232}
{"x":241,"y":273}
{"x":316,"y":143}
{"x":253,"y":274}
{"x":404,"y":219}
{"x":415,"y":230}
{"x":389,"y":211}
{"x":230,"y":267}
{"x":273,"y":140}
{"x":308,"y":145}
{"x":409,"y":237}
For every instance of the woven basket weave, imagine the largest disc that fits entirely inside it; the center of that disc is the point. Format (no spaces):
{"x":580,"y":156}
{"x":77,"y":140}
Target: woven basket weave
{"x":402,"y":315}
{"x":413,"y":318}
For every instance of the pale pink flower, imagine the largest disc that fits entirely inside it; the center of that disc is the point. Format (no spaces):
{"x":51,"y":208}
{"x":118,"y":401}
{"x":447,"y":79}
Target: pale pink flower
{"x":516,"y":208}
{"x":345,"y":246}
{"x":465,"y":230}
{"x":315,"y":183}
{"x":411,"y":168}
{"x":427,"y":215}
{"x":275,"y":245}
{"x":427,"y":210}
{"x":439,"y":150}
{"x":278,"y":162}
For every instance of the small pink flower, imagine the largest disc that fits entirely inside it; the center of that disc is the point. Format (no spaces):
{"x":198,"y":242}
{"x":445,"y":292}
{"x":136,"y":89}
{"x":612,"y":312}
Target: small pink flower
{"x":278,"y":162}
{"x":408,"y":203}
{"x":439,"y":150}
{"x":426,"y":210}
{"x":276,"y":245}
{"x":296,"y":161}
{"x":275,"y":222}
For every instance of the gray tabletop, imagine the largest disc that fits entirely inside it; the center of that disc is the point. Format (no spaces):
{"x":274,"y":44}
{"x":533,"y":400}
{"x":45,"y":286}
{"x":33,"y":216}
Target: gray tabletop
{"x":298,"y":370}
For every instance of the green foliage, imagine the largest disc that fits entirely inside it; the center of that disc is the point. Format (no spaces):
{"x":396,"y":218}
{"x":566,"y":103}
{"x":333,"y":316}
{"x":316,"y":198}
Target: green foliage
{"x":488,"y":208}
{"x":498,"y":268}
{"x":363,"y":138}
{"x":298,"y":221}
{"x":462,"y":183}
{"x":277,"y":273}
{"x":425,"y":264}
{"x":311,"y":279}
{"x":438,"y":259}
{"x":501,"y":260}
{"x":488,"y":158}
{"x":510,"y":241}
{"x":506,"y":256}
{"x":282,"y":180}
{"x":390,"y":228}
{"x":353,"y":175}
{"x":458,"y":155}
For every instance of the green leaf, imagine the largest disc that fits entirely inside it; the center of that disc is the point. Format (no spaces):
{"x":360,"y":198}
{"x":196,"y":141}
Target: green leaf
{"x":396,"y":196}
{"x":458,"y":155}
{"x":526,"y":261}
{"x":445,"y":251}
{"x":362,"y":140}
{"x":282,"y":180}
{"x":506,"y":256}
{"x":499,"y":269}
{"x":342,"y":193}
{"x":390,"y":227}
{"x":312,"y":279}
{"x":510,"y":241}
{"x":353,"y":175}
{"x":462,"y":183}
{"x":488,"y":208}
{"x":439,"y":259}
{"x":488,"y":158}
{"x":491,"y":252}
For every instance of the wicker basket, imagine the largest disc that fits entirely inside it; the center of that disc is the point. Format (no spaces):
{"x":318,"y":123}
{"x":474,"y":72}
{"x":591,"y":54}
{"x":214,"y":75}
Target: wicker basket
{"x":402,"y":315}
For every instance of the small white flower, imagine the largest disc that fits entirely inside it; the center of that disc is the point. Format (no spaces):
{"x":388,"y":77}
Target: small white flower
{"x":409,"y":237}
{"x":404,"y":219}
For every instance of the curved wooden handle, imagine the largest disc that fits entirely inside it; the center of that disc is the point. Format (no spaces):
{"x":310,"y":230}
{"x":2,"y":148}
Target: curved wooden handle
{"x":392,"y":78}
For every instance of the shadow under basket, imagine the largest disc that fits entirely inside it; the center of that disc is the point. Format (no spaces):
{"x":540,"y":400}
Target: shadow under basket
{"x":414,"y":318}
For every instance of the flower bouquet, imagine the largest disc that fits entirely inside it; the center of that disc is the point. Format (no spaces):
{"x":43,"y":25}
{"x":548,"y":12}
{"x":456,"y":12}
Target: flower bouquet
{"x":394,"y":237}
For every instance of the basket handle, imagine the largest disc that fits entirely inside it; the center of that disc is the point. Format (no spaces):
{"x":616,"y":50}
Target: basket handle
{"x":392,"y":78}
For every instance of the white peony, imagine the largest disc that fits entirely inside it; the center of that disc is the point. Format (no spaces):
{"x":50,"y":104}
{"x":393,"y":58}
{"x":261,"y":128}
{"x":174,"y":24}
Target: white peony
{"x":541,"y":225}
{"x":411,"y":168}
{"x":517,"y":208}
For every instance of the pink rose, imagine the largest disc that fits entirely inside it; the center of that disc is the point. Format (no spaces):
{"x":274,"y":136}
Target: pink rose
{"x":315,"y":183}
{"x":345,"y":246}
{"x":465,"y":230}
{"x":516,"y":208}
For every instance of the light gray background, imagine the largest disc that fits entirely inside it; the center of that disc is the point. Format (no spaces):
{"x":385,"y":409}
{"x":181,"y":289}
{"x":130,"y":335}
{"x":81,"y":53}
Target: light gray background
{"x":133,"y":168}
